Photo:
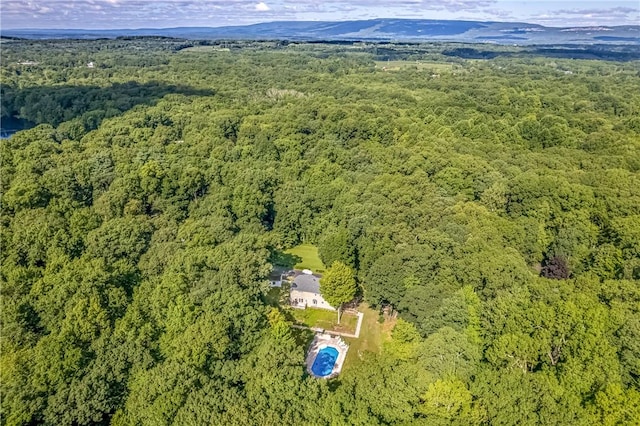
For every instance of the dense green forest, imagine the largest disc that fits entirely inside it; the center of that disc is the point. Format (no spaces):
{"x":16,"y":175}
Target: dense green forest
{"x":492,"y":205}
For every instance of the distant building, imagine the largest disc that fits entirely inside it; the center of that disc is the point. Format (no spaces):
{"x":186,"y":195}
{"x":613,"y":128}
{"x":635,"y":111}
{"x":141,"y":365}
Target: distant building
{"x":90,"y":65}
{"x":305,"y":292}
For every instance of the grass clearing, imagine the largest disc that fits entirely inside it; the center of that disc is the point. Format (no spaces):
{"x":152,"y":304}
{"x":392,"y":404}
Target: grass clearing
{"x":205,"y":49}
{"x":372,"y":336}
{"x":420,"y":65}
{"x":309,"y":255}
{"x":325,"y":319}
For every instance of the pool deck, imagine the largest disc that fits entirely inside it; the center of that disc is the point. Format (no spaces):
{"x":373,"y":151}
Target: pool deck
{"x":321,"y":341}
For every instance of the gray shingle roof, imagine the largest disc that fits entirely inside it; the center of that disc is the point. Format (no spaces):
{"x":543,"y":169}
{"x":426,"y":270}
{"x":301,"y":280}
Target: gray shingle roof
{"x":307,"y":283}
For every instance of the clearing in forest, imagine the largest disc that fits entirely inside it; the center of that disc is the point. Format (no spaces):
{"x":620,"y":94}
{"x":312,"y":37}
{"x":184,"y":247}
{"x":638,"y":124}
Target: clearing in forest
{"x":373,"y":334}
{"x":205,"y":49}
{"x":420,"y":65}
{"x":308,"y":254}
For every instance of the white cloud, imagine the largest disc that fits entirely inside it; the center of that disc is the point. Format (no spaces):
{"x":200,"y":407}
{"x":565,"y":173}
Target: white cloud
{"x":262,"y":7}
{"x":614,"y":11}
{"x":621,"y":15}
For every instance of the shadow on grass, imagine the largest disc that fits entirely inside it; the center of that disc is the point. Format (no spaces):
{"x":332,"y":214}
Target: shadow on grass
{"x":287,"y":260}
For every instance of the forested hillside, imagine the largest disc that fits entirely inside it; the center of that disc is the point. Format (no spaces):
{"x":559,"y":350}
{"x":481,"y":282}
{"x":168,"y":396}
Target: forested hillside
{"x":493,"y":205}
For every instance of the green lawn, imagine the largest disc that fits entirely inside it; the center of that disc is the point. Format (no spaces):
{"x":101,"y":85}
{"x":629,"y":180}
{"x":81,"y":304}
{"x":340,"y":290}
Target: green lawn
{"x":309,"y":255}
{"x":372,"y":335}
{"x":325,"y":319}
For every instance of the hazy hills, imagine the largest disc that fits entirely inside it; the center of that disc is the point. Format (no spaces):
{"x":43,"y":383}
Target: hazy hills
{"x":372,"y":30}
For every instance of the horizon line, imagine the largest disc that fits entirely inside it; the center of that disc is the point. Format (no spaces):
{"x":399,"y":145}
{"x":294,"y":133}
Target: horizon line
{"x":2,"y":29}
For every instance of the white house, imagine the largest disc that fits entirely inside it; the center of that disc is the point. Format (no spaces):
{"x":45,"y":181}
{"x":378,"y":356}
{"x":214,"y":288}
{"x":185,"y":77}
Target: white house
{"x":305,"y":292}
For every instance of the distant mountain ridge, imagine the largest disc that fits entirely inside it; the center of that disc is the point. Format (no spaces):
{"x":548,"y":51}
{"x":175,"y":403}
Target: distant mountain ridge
{"x":371,"y":30}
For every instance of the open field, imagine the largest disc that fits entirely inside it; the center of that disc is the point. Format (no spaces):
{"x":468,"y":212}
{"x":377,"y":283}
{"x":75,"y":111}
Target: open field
{"x":372,"y":335}
{"x":309,"y":255}
{"x":420,"y":65}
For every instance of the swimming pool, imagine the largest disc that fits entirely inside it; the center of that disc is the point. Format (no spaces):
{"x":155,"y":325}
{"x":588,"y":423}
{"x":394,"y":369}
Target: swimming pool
{"x":324,"y":362}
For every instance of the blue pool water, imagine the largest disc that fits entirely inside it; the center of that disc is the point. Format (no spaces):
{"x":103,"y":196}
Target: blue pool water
{"x":324,"y":362}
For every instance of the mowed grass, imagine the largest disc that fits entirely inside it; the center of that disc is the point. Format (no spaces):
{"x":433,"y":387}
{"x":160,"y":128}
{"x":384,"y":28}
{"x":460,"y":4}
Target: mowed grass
{"x":373,"y":334}
{"x":309,"y":255}
{"x":327,"y":320}
{"x":420,"y":65}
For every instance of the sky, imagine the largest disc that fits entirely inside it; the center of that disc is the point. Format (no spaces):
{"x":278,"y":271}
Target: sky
{"x":111,"y":14}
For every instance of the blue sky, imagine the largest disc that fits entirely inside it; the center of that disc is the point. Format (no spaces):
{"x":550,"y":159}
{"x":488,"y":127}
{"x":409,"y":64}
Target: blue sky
{"x":102,"y":14}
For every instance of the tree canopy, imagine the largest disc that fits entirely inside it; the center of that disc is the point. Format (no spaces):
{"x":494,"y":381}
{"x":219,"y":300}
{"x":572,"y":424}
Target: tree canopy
{"x":487,"y":206}
{"x":338,"y":285}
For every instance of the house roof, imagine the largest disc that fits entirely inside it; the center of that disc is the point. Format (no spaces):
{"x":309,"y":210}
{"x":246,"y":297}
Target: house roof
{"x":276,"y":273}
{"x":307,"y":283}
{"x":275,"y":276}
